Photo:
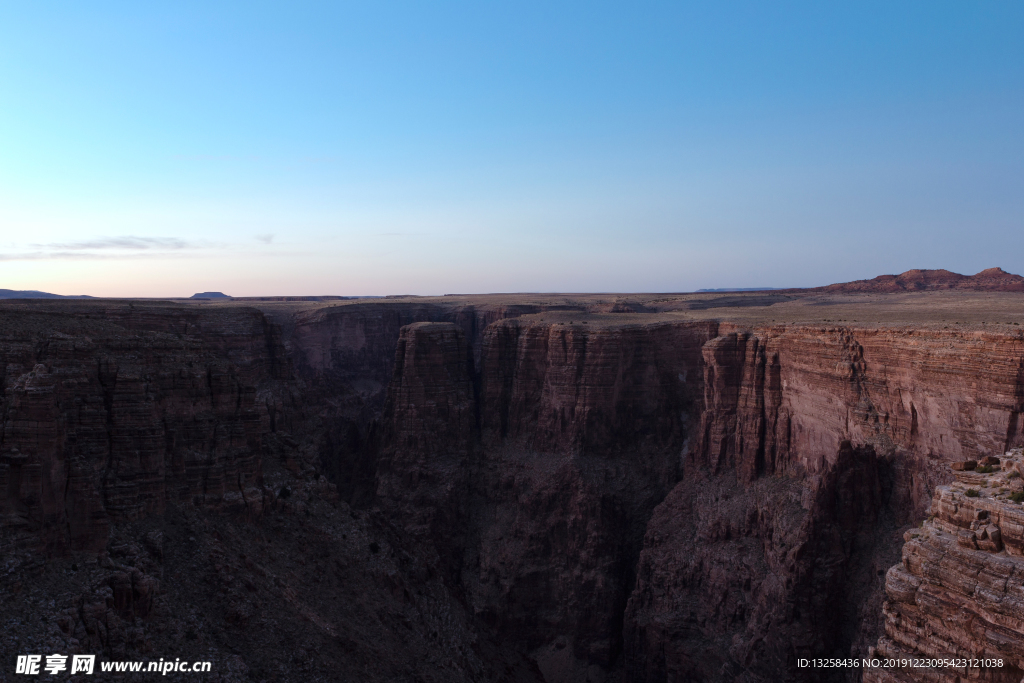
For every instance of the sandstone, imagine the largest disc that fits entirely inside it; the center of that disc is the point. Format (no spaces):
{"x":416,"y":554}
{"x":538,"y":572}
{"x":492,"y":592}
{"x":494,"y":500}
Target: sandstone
{"x":957,"y":593}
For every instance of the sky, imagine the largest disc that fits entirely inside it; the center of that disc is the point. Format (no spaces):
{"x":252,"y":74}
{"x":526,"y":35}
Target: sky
{"x":161,"y":149}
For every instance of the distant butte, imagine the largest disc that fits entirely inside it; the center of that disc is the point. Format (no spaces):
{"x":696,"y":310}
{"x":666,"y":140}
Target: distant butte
{"x":210,"y":295}
{"x":917,"y":280}
{"x":33,"y":294}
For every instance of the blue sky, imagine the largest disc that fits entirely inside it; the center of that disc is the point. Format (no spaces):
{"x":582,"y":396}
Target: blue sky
{"x":159,"y":149}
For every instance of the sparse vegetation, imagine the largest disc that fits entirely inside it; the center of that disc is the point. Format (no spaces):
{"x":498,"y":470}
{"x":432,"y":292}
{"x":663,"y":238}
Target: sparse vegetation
{"x":983,"y":469}
{"x":1017,"y":497}
{"x":971,"y":493}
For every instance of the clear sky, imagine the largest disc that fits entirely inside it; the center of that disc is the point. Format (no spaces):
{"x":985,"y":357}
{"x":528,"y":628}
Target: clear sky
{"x":165,"y":148}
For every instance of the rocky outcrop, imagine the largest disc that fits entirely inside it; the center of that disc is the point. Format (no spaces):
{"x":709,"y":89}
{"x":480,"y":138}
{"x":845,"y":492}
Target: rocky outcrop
{"x":957,"y":593}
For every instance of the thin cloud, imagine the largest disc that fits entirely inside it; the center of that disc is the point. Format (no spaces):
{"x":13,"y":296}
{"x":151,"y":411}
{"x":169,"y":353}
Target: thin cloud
{"x":266,"y":237}
{"x":108,"y":248}
{"x":126,"y":242}
{"x":86,"y":255}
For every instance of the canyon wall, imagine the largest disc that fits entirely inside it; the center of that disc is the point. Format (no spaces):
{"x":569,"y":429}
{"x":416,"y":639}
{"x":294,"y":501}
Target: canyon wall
{"x":790,"y":482}
{"x":536,"y":485}
{"x":345,"y":359}
{"x":160,"y":492}
{"x":108,"y":413}
{"x":749,"y":564}
{"x":604,"y":499}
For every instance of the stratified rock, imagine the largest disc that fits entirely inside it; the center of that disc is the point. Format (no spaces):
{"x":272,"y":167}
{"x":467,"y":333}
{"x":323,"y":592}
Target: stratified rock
{"x":429,"y":423}
{"x":780,"y":400}
{"x":109,"y":412}
{"x":958,"y":592}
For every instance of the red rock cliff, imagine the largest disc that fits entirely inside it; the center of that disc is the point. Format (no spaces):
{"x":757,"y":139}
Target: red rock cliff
{"x":724,"y":575}
{"x":957,"y":593}
{"x":109,"y":414}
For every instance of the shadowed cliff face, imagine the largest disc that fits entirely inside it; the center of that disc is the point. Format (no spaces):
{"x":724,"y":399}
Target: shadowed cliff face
{"x":603,"y":499}
{"x":737,"y":580}
{"x":110,"y":414}
{"x":345,"y":356}
{"x":159,"y":493}
{"x":583,"y":431}
{"x":541,"y":509}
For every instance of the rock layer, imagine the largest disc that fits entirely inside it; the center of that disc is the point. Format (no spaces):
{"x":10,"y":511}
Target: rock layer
{"x":110,"y":414}
{"x":958,"y":592}
{"x":718,"y":593}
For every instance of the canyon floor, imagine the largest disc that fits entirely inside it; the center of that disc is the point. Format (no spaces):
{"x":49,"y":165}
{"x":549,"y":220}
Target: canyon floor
{"x":535,"y":487}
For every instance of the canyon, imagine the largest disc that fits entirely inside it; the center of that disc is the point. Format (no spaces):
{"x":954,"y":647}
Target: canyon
{"x":558,"y":488}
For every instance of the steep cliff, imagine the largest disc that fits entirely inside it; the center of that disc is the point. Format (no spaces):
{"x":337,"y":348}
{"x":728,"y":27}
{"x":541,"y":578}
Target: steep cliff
{"x":957,"y":595}
{"x":740,"y":574}
{"x":583,"y":432}
{"x":536,"y":480}
{"x":345,"y":356}
{"x":782,"y":399}
{"x":110,"y":413}
{"x":774,"y":540}
{"x":429,"y":424}
{"x":159,"y":494}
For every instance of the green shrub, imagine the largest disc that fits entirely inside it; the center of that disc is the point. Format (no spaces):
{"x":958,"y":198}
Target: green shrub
{"x":1017,"y":497}
{"x":983,"y":469}
{"x":971,"y":493}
